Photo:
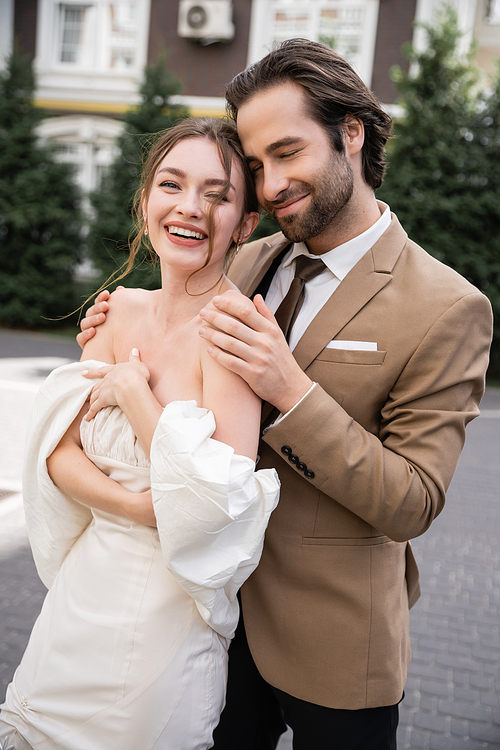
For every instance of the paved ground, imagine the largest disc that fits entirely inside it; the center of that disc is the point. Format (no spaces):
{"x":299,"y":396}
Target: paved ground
{"x":453,"y":691}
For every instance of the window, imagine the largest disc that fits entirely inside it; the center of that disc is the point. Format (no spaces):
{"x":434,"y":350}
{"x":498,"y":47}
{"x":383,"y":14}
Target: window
{"x":86,"y":142}
{"x":348,"y":26}
{"x":123,"y":34}
{"x":72,"y":19}
{"x":493,"y":11}
{"x":102,"y":35}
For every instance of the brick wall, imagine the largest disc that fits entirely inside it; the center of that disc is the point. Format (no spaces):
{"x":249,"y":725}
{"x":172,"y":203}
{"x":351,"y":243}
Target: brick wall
{"x":25,"y":17}
{"x":395,"y":27}
{"x":204,"y":71}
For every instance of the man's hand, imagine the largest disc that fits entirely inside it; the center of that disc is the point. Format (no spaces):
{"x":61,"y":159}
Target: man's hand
{"x":116,"y":382}
{"x":95,"y":316}
{"x":245,"y":338}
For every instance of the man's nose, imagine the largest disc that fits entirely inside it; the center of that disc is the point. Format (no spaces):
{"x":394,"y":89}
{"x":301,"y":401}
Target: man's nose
{"x":274,"y":182}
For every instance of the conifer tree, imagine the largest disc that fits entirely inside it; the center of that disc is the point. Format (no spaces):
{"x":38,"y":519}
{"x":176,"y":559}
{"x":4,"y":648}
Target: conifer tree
{"x":443,"y":178}
{"x":111,"y":223}
{"x":39,"y":211}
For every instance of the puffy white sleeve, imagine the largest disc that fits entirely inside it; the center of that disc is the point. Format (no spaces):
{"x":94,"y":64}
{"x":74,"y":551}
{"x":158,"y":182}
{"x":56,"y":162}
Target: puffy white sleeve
{"x":212,"y":510}
{"x":54,"y":520}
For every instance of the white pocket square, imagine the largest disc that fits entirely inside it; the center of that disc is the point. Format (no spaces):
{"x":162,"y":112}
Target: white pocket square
{"x":353,"y":346}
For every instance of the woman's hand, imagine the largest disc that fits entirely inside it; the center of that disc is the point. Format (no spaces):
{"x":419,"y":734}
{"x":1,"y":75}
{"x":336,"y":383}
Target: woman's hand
{"x":116,"y":382}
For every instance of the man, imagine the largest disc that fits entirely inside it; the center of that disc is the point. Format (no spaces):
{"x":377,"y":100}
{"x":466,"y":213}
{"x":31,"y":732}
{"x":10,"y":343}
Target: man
{"x":365,"y":421}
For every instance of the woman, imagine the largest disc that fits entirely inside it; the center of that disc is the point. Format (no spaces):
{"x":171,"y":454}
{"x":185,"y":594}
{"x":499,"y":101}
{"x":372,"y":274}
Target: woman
{"x":130,"y":648}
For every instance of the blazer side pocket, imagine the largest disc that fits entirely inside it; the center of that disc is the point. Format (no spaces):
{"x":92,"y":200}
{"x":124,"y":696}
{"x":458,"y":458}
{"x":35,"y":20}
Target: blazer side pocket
{"x":368,"y":541}
{"x":351,"y":357}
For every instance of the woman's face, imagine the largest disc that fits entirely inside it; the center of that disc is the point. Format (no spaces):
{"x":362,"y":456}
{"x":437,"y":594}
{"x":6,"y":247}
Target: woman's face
{"x":187,"y":181}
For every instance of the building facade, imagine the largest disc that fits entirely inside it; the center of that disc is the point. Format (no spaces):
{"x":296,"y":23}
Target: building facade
{"x":89,"y":55}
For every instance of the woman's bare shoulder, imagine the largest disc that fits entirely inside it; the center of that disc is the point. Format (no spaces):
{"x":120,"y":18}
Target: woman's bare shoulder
{"x":126,"y":307}
{"x":228,"y":286}
{"x":125,"y":296}
{"x":125,"y":303}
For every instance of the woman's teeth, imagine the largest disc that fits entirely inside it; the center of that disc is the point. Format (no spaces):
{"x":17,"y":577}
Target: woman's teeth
{"x":186,"y":233}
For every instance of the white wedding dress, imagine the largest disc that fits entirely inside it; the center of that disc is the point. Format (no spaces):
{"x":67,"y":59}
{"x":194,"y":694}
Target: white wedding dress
{"x":130,"y":648}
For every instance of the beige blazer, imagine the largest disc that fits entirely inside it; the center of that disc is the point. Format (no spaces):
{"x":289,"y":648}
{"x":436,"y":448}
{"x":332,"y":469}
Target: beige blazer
{"x":365,"y":461}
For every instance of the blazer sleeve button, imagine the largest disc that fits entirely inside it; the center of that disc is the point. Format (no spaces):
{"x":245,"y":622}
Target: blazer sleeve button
{"x":293,"y":458}
{"x":309,"y":474}
{"x":301,"y":466}
{"x":286,"y":450}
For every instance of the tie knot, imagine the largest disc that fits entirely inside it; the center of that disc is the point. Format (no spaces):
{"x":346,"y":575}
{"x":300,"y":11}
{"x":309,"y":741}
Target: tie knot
{"x":307,"y":268}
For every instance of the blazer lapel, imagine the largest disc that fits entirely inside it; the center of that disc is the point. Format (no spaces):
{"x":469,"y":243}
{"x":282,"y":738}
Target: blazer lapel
{"x":361,"y":284}
{"x":249,"y":268}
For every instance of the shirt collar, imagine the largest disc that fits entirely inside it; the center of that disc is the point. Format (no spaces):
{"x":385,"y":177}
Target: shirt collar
{"x":343,"y":258}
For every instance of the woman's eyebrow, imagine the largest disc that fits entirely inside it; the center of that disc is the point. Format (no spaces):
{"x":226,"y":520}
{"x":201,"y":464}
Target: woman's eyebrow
{"x":216,"y":181}
{"x":173,"y":170}
{"x":210,"y":181}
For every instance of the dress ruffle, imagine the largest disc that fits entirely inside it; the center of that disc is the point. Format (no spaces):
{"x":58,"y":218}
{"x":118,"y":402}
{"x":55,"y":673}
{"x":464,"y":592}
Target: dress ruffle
{"x":211,"y":506}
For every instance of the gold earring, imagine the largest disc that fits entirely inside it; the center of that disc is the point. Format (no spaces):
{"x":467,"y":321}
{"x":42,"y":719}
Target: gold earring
{"x":146,"y":231}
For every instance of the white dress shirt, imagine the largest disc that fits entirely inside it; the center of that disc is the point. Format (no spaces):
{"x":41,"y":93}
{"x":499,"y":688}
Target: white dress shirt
{"x":338,"y":262}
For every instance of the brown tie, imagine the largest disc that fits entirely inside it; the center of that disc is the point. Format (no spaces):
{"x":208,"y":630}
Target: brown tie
{"x":305,"y":270}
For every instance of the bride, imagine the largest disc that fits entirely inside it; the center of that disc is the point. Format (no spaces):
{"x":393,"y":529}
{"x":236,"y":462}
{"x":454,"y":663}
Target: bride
{"x":143,"y":506}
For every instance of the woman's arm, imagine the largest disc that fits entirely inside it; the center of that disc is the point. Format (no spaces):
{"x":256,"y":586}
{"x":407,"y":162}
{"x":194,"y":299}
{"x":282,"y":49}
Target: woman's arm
{"x":235,"y":406}
{"x":76,"y":475}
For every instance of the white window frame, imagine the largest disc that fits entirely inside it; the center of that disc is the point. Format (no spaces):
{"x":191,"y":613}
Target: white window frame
{"x":86,"y":141}
{"x":92,"y":77}
{"x":426,"y":12}
{"x":493,"y":11}
{"x":97,"y":39}
{"x":6,"y":30}
{"x":262,"y":28}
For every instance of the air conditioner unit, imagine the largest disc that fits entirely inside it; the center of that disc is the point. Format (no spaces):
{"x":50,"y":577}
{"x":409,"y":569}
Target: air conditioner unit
{"x":206,"y":20}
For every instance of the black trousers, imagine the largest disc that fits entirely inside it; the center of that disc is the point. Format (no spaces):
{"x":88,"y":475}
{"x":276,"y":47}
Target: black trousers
{"x":256,"y":714}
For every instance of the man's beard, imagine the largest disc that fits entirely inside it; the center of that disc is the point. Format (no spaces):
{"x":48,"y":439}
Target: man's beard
{"x":328,"y":195}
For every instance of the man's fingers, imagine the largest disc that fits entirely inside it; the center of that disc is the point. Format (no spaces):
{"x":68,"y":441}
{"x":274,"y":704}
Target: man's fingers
{"x":263,"y":309}
{"x":239,"y":307}
{"x":84,"y":336}
{"x":228,"y":325}
{"x":98,"y":307}
{"x":92,"y":320}
{"x":103,"y":296}
{"x":226,"y":342}
{"x":230,"y":362}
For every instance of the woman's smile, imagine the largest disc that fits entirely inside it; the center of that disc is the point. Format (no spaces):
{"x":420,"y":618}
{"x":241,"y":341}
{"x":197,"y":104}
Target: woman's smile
{"x":185,"y":234}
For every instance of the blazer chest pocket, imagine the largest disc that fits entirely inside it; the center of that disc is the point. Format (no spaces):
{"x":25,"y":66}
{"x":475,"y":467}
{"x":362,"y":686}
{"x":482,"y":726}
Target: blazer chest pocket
{"x":351,"y":357}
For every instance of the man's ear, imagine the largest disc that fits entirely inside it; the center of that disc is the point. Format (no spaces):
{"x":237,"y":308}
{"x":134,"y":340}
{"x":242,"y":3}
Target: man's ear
{"x":246,"y":227}
{"x":354,"y":135}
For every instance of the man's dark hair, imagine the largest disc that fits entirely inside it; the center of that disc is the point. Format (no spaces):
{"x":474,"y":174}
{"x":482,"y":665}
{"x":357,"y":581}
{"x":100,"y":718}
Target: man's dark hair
{"x":332,"y":89}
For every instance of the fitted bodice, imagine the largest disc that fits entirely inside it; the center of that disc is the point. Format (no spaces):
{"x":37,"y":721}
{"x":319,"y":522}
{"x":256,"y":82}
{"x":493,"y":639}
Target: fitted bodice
{"x":109,"y":434}
{"x":110,"y":443}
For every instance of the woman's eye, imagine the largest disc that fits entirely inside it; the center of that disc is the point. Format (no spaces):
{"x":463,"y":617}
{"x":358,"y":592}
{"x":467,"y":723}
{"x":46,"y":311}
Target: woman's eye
{"x":168,"y":184}
{"x":217,"y":197}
